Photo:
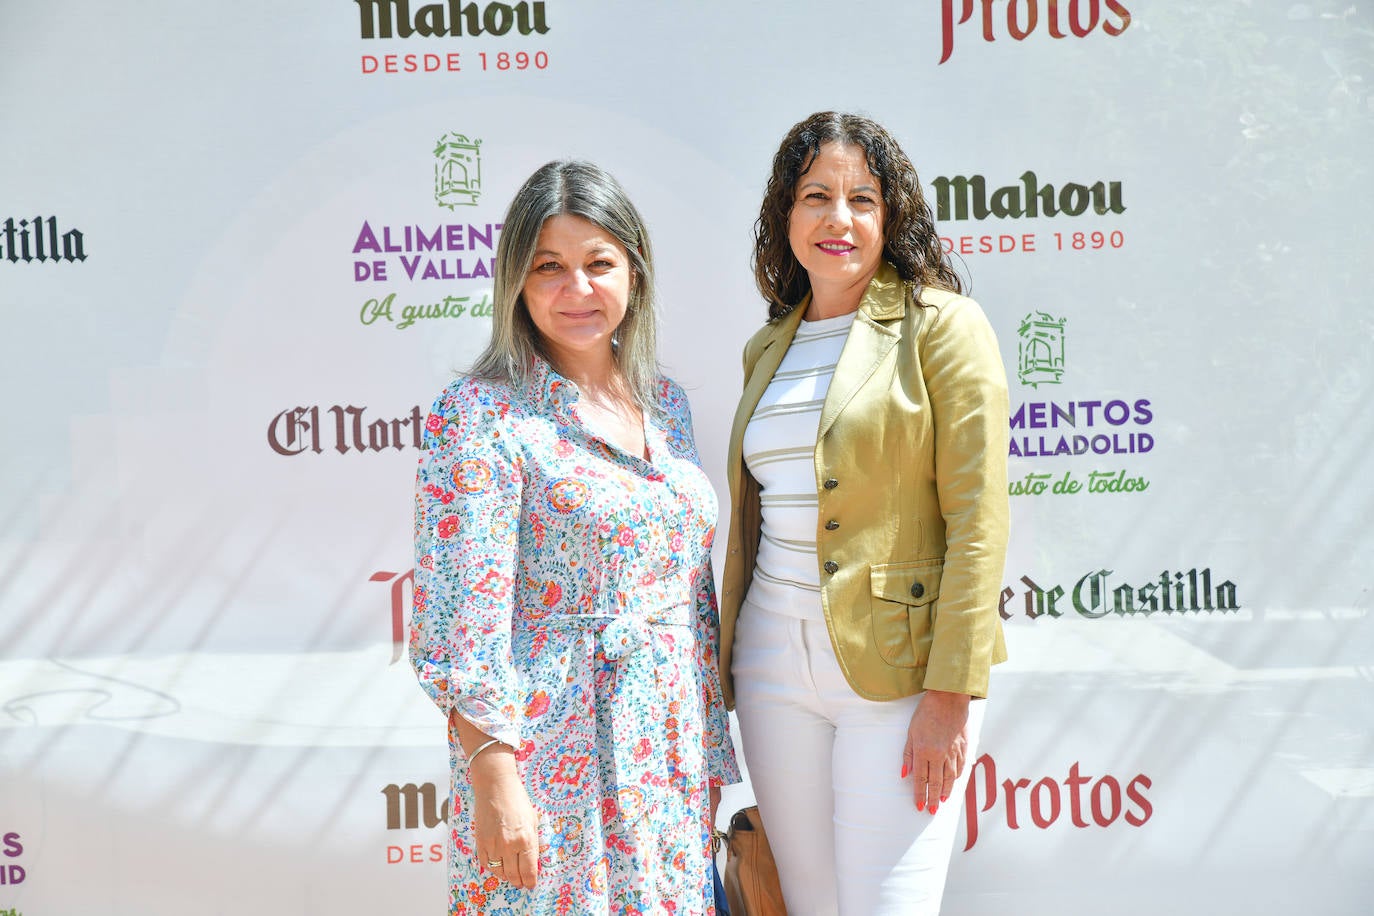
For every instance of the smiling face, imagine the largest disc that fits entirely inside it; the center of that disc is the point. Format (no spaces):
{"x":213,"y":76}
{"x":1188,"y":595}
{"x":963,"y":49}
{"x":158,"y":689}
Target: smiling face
{"x":836,"y":224}
{"x":577,"y":290}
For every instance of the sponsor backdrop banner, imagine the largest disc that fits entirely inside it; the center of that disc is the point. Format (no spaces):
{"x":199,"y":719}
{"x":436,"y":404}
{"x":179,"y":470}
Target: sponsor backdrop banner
{"x":242,"y":246}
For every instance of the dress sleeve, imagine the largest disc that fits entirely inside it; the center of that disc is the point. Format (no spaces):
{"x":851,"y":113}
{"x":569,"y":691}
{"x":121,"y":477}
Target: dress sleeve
{"x":720,"y":749}
{"x":467,"y":520}
{"x":968,"y":396}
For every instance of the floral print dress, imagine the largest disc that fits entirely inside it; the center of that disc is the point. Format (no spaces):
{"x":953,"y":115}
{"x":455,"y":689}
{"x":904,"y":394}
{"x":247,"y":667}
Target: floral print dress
{"x":564,"y":604}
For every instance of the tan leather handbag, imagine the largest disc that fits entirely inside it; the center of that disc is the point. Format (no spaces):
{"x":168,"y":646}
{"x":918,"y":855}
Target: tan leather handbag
{"x":751,"y":877}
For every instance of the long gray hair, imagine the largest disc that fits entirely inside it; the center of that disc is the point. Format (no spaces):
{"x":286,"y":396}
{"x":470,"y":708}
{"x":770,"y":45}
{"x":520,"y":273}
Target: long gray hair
{"x":575,"y":188}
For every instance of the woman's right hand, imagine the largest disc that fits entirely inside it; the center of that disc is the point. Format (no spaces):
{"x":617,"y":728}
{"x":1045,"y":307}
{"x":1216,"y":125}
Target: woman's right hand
{"x":505,"y":823}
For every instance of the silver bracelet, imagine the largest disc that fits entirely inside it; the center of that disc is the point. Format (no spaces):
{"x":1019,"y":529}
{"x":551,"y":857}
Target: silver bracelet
{"x":483,"y":746}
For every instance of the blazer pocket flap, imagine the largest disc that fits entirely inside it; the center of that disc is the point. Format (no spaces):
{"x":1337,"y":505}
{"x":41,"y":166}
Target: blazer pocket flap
{"x":916,"y":583}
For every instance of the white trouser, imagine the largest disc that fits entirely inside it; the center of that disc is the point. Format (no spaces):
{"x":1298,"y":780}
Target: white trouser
{"x":825,"y":765}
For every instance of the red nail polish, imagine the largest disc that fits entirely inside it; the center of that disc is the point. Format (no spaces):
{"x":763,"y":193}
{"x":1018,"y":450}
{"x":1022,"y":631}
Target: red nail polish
{"x":920,"y":804}
{"x":906,"y":768}
{"x":945,"y":797}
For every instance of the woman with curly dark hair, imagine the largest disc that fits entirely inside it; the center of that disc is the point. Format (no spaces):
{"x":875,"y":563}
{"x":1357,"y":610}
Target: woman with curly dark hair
{"x":867,"y":470}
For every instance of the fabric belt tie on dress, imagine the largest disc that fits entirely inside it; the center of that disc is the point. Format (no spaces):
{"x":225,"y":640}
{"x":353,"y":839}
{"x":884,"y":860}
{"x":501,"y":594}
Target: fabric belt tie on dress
{"x":620,"y":638}
{"x":621,"y":635}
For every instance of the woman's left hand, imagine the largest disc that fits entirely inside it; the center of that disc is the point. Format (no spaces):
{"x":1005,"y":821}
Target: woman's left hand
{"x":715,"y":802}
{"x":936,"y":741}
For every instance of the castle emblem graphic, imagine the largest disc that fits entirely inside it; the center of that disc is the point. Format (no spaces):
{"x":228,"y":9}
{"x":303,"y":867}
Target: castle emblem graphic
{"x":457,"y":171}
{"x":1040,"y":352}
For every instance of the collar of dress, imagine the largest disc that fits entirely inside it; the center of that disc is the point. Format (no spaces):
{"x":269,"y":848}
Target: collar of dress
{"x":551,"y":393}
{"x":547,"y":389}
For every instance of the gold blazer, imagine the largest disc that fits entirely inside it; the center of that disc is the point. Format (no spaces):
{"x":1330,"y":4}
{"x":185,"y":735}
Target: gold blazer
{"x":911,"y":479}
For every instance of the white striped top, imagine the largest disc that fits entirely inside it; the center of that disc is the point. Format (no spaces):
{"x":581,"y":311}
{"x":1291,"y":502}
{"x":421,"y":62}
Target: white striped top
{"x":780,"y":450}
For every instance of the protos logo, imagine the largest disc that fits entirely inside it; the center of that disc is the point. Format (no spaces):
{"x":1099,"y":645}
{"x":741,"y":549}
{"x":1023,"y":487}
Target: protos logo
{"x":402,"y":592}
{"x":1080,"y":17}
{"x":38,"y":240}
{"x":1091,"y":801}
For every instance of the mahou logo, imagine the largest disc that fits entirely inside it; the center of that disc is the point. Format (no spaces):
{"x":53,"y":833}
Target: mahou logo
{"x":966,"y":197}
{"x":1019,"y":19}
{"x":40,"y":239}
{"x":407,"y":808}
{"x":409,"y":805}
{"x":393,"y":18}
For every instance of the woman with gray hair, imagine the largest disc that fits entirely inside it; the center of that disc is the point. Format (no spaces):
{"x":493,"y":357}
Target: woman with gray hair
{"x":565,"y":614}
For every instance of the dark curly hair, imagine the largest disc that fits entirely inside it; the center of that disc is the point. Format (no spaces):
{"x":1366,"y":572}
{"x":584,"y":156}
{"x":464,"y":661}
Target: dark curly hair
{"x":910,"y":242}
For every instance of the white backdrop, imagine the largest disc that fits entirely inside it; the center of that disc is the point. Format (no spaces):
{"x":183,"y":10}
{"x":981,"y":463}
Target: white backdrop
{"x":209,"y":391}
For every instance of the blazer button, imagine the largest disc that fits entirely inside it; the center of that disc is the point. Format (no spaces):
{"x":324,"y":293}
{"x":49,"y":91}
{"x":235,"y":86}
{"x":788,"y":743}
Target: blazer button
{"x":831,"y":483}
{"x":918,"y":590}
{"x":831,"y":525}
{"x":832,"y":567}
